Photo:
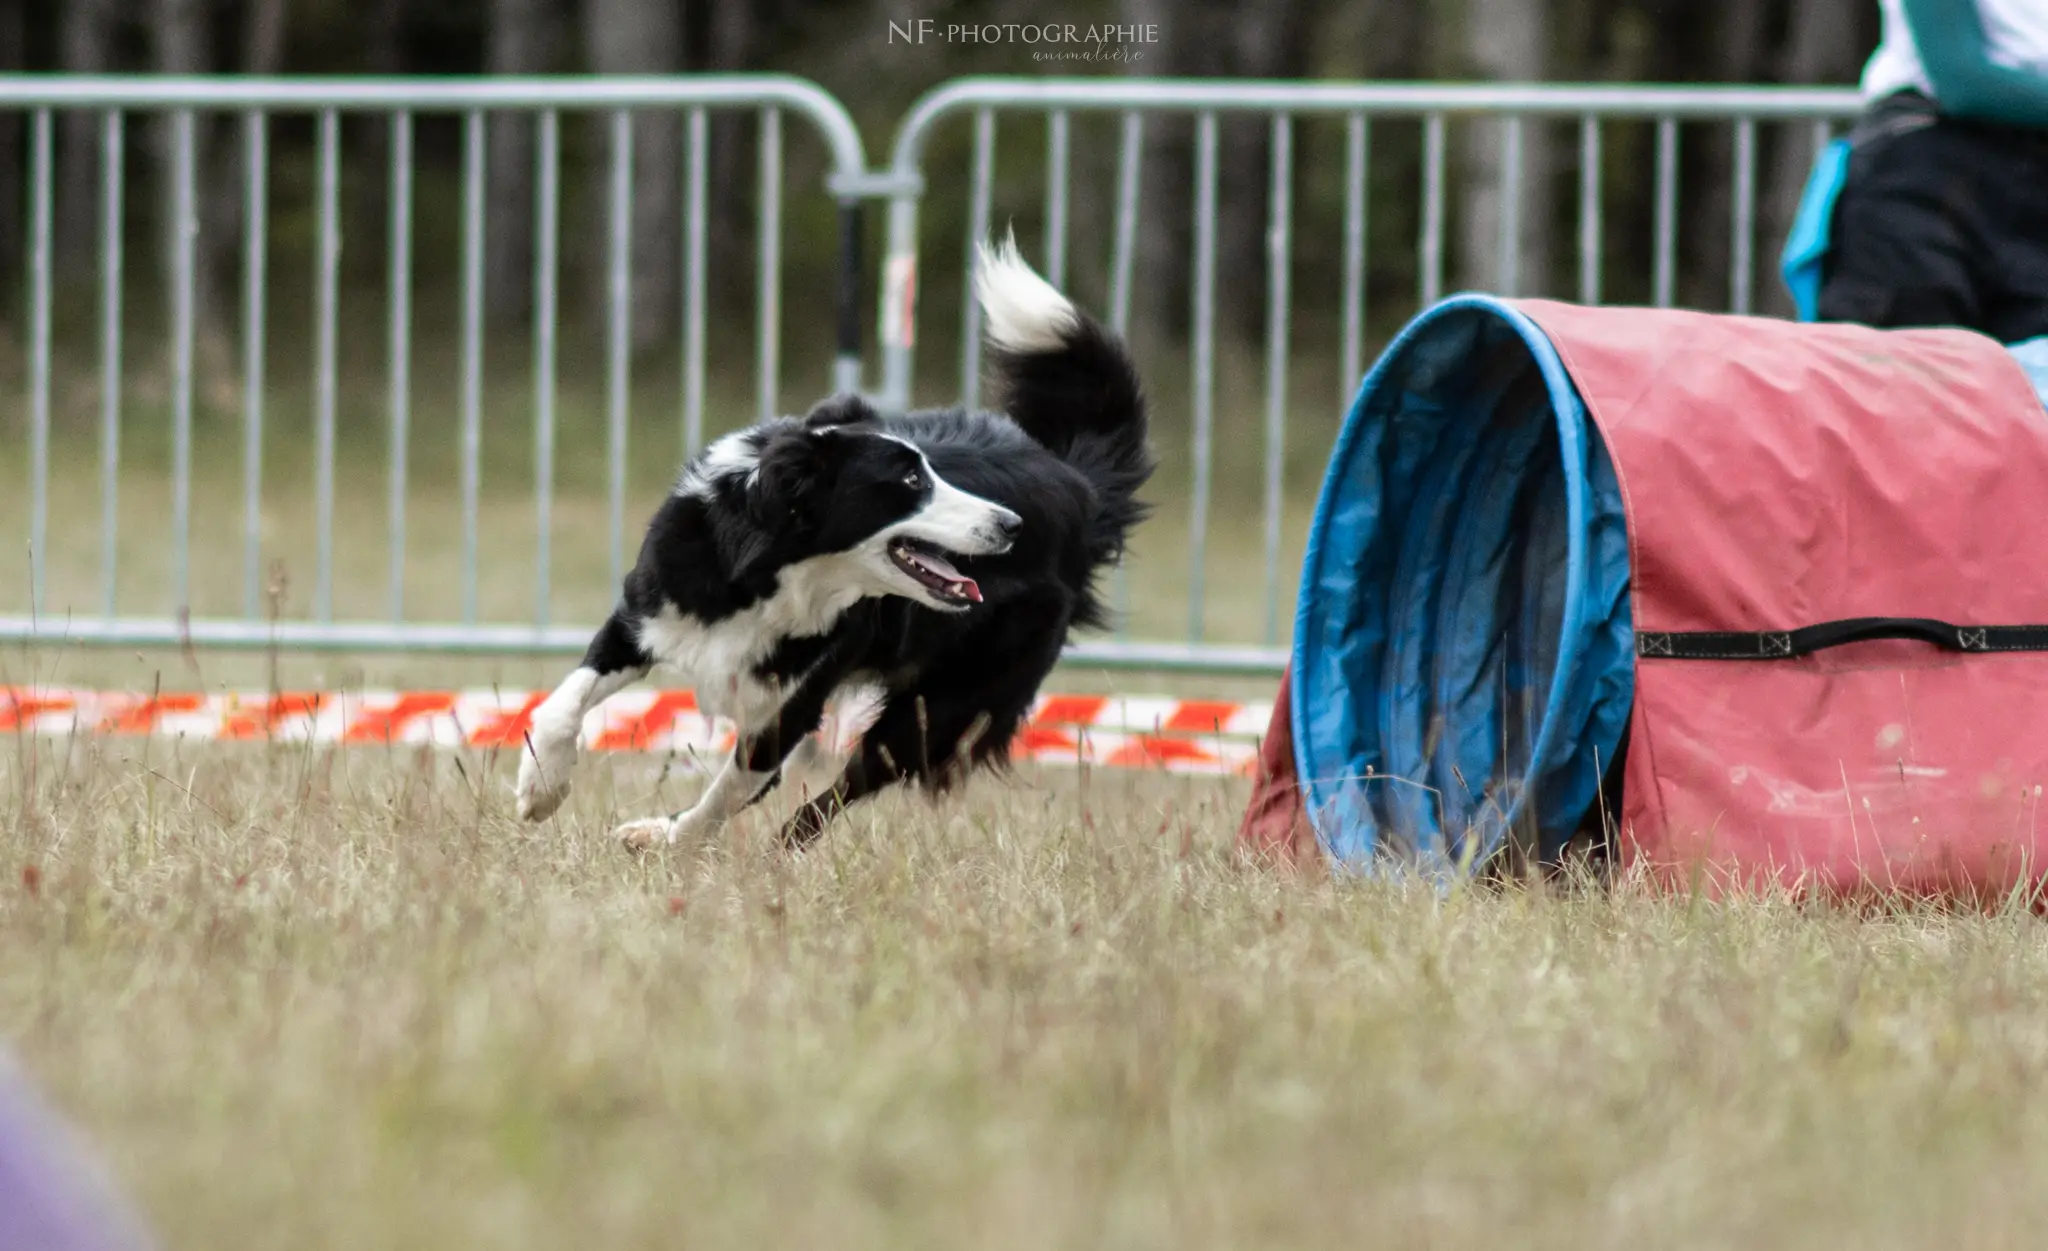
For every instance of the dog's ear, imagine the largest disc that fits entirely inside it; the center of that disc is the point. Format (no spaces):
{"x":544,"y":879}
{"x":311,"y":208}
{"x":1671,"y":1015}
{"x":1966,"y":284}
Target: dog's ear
{"x":840,"y":410}
{"x":784,"y":493}
{"x":748,"y":547}
{"x":784,"y":489}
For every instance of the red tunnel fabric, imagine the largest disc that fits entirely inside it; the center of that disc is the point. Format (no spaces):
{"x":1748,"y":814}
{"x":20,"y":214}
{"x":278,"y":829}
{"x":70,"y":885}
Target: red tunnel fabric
{"x":1779,"y":476}
{"x":1275,"y":824}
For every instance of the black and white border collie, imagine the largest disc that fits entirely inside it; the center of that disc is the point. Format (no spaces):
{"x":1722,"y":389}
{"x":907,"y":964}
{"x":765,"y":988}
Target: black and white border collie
{"x":938,"y":559}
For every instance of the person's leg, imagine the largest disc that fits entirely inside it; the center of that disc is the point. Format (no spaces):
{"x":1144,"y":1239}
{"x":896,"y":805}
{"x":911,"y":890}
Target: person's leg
{"x":1902,"y":237}
{"x":2016,"y":243}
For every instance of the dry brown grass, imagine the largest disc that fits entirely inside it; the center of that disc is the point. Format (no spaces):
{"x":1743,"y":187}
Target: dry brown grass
{"x":307,"y":999}
{"x":311,"y":999}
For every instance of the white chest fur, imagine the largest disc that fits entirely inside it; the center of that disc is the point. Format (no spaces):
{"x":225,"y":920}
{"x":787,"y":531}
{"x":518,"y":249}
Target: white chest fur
{"x":717,"y":658}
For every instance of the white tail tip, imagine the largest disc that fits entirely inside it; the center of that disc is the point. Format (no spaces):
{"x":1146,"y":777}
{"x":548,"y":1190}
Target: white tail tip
{"x":1024,"y":312}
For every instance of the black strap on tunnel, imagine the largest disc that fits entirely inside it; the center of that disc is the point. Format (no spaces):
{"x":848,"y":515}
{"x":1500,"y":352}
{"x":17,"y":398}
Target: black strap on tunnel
{"x":1787,"y":644}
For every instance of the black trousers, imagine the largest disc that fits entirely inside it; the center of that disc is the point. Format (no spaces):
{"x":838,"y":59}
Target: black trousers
{"x":1940,"y":222}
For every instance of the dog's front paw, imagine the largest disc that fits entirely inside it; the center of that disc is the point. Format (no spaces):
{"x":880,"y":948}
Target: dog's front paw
{"x":544,"y":769}
{"x":699,"y":822}
{"x":647,"y":833}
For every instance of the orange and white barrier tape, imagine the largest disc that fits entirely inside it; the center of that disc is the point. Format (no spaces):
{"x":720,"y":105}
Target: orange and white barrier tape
{"x":1176,"y":735}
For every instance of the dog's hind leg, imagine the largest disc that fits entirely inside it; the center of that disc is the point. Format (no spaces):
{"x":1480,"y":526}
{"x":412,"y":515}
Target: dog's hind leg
{"x":737,"y":784}
{"x":753,"y":768}
{"x":955,"y":718}
{"x":612,"y":662}
{"x":870,"y":770}
{"x":904,"y":743}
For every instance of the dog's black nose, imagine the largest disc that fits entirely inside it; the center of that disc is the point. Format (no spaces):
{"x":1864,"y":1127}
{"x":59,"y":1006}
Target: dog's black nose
{"x":1009,"y":525}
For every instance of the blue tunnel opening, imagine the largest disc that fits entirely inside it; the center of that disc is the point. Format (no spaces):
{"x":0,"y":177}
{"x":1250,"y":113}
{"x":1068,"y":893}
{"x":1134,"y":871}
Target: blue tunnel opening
{"x":1463,"y":663}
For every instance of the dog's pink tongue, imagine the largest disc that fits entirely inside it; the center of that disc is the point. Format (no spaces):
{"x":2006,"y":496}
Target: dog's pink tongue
{"x":958,"y":583}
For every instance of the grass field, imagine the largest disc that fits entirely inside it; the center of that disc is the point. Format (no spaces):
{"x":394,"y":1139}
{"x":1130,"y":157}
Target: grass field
{"x":310,"y":999}
{"x":340,"y":999}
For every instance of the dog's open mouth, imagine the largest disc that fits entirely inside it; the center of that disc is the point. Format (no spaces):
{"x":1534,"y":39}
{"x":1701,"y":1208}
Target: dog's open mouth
{"x":934,"y":572}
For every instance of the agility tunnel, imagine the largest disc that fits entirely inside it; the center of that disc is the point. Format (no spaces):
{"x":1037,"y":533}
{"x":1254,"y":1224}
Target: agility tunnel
{"x":1757,"y":597}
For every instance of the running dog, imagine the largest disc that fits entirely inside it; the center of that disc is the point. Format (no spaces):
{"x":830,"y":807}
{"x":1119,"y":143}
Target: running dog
{"x":938,"y":560}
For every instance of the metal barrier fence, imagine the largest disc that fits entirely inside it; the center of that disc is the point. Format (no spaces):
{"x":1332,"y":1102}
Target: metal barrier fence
{"x":257,"y":102}
{"x":1135,"y":101}
{"x":849,"y":184}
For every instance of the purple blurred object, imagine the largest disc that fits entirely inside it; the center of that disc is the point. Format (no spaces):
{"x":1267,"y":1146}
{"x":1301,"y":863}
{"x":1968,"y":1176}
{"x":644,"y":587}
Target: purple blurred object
{"x":52,"y":1196}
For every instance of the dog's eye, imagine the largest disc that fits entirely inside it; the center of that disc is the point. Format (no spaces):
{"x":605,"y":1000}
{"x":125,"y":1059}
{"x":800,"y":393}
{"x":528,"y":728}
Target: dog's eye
{"x":914,"y":480}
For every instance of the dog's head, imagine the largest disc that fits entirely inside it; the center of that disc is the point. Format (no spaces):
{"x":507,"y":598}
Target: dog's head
{"x":838,"y":484}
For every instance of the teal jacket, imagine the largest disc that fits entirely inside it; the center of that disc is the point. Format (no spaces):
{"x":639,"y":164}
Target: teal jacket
{"x":1967,"y":83}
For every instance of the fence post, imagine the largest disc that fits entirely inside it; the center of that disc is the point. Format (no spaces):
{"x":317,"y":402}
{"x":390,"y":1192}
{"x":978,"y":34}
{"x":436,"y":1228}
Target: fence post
{"x":846,"y":363}
{"x":899,"y":301}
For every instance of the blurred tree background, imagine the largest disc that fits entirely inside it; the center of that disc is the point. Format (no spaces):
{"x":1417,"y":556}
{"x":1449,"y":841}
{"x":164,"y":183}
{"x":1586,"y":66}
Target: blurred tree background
{"x":845,"y":46}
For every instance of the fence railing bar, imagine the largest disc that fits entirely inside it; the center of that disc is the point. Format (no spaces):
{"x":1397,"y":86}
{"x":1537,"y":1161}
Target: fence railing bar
{"x":524,"y":640}
{"x":185,"y":230}
{"x":769,"y":279}
{"x":1509,"y":279}
{"x":618,"y":340}
{"x":1203,"y":373}
{"x":1130,"y":157}
{"x":255,"y":321}
{"x":1057,"y":139}
{"x":1589,"y":210}
{"x":896,"y":315}
{"x":1743,"y":215}
{"x":327,"y":291}
{"x":398,"y":347}
{"x":979,"y":191}
{"x":531,"y":92}
{"x":1279,"y":253}
{"x":693,"y":285}
{"x":112,"y":209}
{"x":1357,"y":156}
{"x":1432,"y":246}
{"x":546,"y":239}
{"x":1666,"y":264}
{"x":846,"y":331}
{"x":40,"y":193}
{"x":1387,"y":99}
{"x":473,"y":146}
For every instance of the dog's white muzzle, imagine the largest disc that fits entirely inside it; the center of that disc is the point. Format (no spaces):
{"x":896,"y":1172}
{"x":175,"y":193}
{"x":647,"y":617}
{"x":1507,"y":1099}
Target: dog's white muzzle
{"x":966,"y":525}
{"x":952,"y":522}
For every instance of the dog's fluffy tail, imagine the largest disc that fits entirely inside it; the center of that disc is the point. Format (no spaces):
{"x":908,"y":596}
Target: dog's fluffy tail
{"x":1070,"y":384}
